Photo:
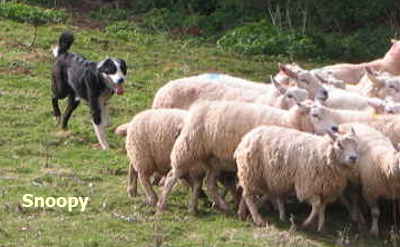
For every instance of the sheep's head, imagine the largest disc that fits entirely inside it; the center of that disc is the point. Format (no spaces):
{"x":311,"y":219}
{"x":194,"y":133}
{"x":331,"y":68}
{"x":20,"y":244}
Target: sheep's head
{"x":327,"y":77}
{"x":382,"y":85}
{"x":322,"y":119}
{"x":387,"y":106}
{"x":344,"y":147}
{"x":289,"y":96}
{"x":312,"y":117}
{"x":307,"y":80}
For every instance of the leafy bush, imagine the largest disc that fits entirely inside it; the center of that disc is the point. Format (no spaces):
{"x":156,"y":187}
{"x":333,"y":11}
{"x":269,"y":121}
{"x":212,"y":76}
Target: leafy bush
{"x":364,"y":43}
{"x":264,"y":38}
{"x":28,"y":14}
{"x":111,"y":14}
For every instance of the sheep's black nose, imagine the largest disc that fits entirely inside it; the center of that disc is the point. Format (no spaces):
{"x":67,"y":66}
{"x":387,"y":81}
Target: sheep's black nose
{"x":353,"y":159}
{"x":120,"y":80}
{"x":335,"y":129}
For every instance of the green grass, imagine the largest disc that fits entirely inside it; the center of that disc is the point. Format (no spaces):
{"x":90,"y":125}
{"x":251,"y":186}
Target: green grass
{"x":36,"y":158}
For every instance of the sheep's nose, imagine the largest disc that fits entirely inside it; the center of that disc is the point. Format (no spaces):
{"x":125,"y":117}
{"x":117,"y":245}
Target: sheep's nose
{"x":325,"y":93}
{"x":353,"y":158}
{"x":120,"y":80}
{"x":335,"y":129}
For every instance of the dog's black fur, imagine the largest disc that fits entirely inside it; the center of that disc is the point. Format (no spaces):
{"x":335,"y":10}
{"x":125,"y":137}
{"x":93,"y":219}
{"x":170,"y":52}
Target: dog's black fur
{"x":75,"y":77}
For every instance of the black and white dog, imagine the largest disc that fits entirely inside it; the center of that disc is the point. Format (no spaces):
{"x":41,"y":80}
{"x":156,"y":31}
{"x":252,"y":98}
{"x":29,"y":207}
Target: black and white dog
{"x":77,"y":78}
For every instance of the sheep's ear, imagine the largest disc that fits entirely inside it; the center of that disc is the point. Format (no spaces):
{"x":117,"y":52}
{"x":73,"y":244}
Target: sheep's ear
{"x":287,"y":71}
{"x":377,"y":83}
{"x":282,"y":90}
{"x":304,"y":107}
{"x":332,"y":135}
{"x":377,"y":104}
{"x":352,"y":131}
{"x":321,"y":78}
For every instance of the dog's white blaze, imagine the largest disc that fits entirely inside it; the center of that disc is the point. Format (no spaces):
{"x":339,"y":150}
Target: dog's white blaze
{"x":118,"y":75}
{"x":55,"y":51}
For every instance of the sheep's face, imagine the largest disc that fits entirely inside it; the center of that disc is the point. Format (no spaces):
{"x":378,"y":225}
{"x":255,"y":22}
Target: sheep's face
{"x":306,"y":80}
{"x":322,"y":121}
{"x":294,"y":95}
{"x":345,"y":148}
{"x":327,"y":77}
{"x":391,"y":88}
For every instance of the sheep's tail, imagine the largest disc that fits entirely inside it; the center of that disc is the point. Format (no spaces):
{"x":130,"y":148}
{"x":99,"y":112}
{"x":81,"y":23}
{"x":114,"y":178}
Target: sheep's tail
{"x":64,"y":43}
{"x":122,"y":129}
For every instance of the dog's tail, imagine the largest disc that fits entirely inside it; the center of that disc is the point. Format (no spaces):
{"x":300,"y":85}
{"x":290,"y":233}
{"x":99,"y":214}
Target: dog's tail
{"x":64,"y":43}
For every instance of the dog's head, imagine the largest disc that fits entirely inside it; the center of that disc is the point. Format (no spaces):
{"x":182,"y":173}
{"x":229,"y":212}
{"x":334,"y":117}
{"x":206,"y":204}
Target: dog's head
{"x":114,"y":71}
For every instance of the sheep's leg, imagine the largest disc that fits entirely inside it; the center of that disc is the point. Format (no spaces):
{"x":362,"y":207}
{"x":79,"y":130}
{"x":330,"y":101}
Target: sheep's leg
{"x":354,"y":210}
{"x":170,"y":181}
{"x":230,"y":185}
{"x":132,"y":181}
{"x":196,"y":191}
{"x":213,"y":190}
{"x":321,"y":220}
{"x":243,"y":211}
{"x":251,"y":204}
{"x":375,"y":213}
{"x":314,"y":211}
{"x":148,"y":189}
{"x":281,"y":208}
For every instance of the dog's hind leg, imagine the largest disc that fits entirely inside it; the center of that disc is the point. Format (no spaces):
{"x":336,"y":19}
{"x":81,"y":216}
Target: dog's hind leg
{"x":56,"y":109}
{"x":72,"y":105}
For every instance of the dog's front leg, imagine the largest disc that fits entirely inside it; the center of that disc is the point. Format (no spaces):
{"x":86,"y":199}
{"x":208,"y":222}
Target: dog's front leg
{"x":98,"y":122}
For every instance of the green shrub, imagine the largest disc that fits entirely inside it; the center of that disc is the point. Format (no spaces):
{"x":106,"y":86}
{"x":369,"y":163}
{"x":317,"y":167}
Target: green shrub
{"x":364,"y":43}
{"x":29,"y":14}
{"x":109,"y":14}
{"x":264,"y":38}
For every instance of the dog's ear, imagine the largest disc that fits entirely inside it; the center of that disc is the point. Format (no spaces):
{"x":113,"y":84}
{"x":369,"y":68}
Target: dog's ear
{"x":106,"y":66}
{"x":123,"y":65}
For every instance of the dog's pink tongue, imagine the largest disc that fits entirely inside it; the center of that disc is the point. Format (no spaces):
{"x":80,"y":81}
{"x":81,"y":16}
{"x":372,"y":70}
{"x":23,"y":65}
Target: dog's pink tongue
{"x":119,"y":89}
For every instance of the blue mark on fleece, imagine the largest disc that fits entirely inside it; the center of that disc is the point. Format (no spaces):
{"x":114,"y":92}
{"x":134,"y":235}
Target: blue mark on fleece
{"x":214,"y":76}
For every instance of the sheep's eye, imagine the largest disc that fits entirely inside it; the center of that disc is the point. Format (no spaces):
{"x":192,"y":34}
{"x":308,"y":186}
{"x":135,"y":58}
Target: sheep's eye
{"x":314,"y":115}
{"x":340,"y":146}
{"x":391,"y":86}
{"x":290,"y":96}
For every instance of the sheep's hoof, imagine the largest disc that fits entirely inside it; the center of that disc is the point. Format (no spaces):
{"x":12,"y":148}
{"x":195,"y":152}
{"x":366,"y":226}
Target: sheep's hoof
{"x":161,"y":207}
{"x":374,"y":232}
{"x":243,"y":214}
{"x":131,"y":192}
{"x":260,"y":222}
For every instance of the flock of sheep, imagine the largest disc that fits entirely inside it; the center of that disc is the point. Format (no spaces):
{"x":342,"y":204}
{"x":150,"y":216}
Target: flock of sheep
{"x":320,"y":135}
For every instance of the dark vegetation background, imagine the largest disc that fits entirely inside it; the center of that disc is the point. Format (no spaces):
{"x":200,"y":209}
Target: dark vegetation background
{"x":351,"y":30}
{"x":161,"y":41}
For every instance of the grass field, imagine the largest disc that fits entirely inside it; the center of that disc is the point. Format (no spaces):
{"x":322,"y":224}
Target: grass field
{"x":37,"y":158}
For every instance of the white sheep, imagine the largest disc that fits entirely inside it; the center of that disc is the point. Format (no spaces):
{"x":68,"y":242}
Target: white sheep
{"x":352,"y":73}
{"x":182,"y":93}
{"x":373,"y":84}
{"x":388,"y":124}
{"x":276,"y":162}
{"x":378,"y":169}
{"x":150,"y":136}
{"x":303,"y":78}
{"x":214,"y":129}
